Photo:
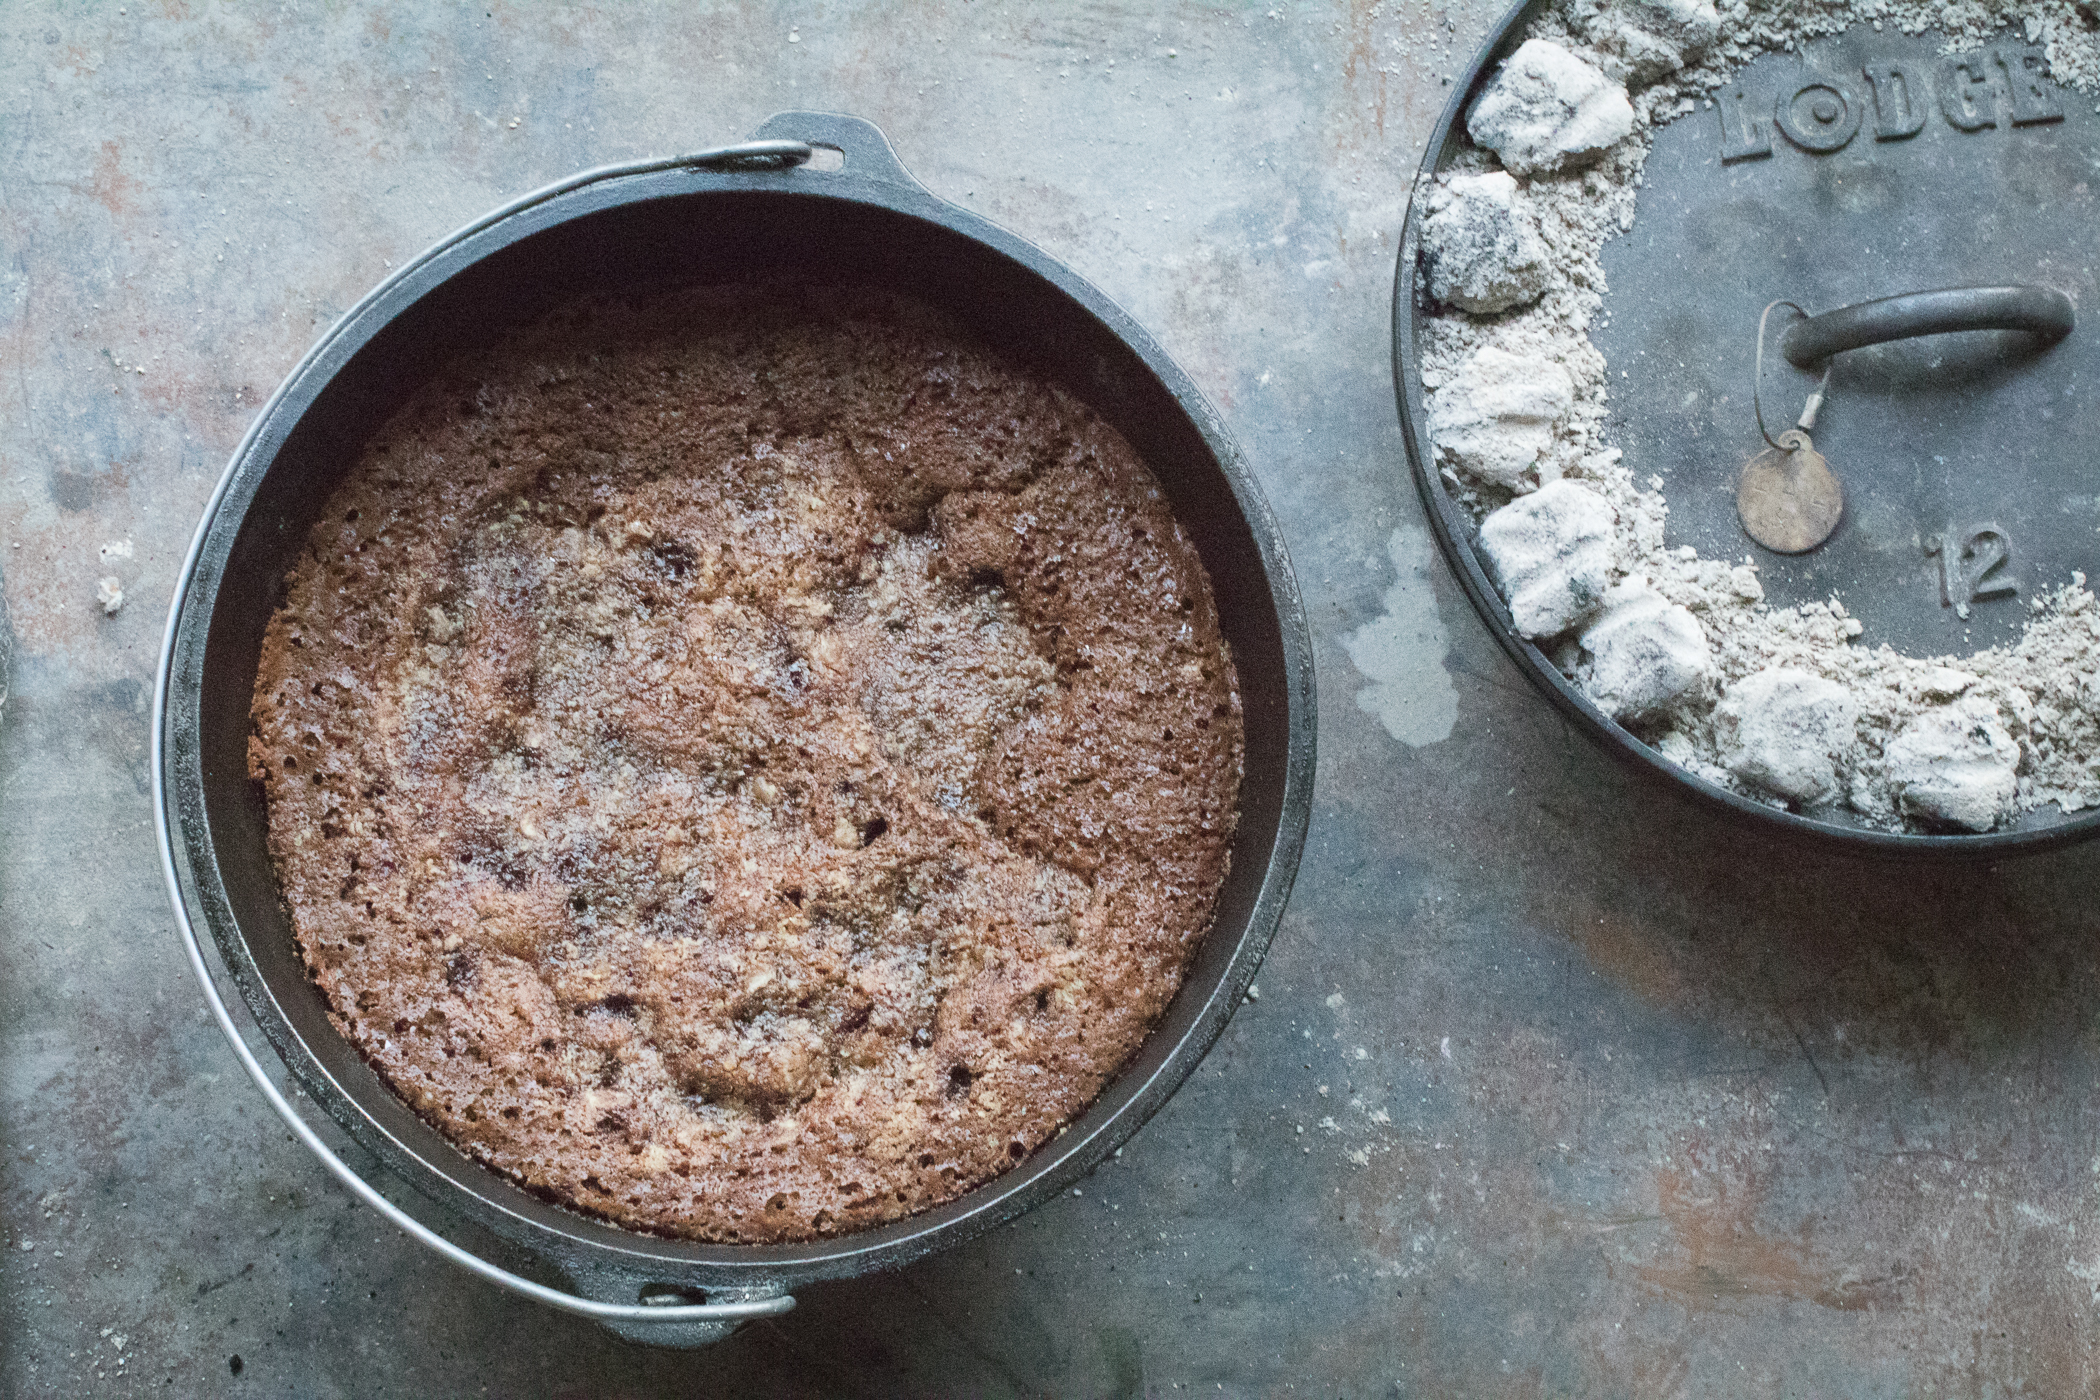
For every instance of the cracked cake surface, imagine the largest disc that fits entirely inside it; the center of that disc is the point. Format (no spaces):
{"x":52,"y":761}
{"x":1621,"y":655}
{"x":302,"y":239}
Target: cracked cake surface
{"x":747,"y":763}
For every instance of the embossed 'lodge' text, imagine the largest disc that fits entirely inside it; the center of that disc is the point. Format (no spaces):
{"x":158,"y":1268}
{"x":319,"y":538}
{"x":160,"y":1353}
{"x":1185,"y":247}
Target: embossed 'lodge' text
{"x":1972,"y":92}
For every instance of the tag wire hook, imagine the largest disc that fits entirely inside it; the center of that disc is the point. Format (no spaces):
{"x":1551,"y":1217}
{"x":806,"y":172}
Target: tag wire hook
{"x":1815,"y":400}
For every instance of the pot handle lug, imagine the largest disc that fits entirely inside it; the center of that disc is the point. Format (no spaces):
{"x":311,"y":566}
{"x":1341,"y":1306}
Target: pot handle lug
{"x":2043,"y":311}
{"x":867,"y":151}
{"x":751,"y":155}
{"x":668,"y":1315}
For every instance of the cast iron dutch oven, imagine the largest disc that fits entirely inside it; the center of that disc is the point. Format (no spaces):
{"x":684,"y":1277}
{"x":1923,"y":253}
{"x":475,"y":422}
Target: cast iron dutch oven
{"x":760,"y":209}
{"x":1929,"y":218}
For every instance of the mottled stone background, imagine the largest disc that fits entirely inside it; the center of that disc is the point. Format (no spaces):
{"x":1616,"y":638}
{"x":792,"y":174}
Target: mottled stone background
{"x":1559,"y":1084}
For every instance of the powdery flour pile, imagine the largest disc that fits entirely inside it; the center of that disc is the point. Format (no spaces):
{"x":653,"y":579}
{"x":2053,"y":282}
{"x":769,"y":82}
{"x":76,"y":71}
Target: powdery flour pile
{"x":1775,"y":703}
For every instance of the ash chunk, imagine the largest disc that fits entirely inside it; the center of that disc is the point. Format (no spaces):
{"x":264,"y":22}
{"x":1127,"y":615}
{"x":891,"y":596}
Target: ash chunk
{"x":1483,"y":248}
{"x":1642,"y":653}
{"x":1640,"y":41}
{"x":1784,"y":731}
{"x":1547,"y":110}
{"x":1956,"y":765}
{"x":1551,"y":553}
{"x":1496,"y":416}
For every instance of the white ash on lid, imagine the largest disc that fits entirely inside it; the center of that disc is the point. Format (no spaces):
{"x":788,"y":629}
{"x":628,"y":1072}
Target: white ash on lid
{"x":1786,"y":732}
{"x":1551,"y":554}
{"x":1495,"y":418}
{"x":1642,"y":653}
{"x":1957,"y":765}
{"x":1482,"y":245}
{"x":1679,"y":748}
{"x":1638,"y":41}
{"x":1547,"y":110}
{"x":1943,"y":683}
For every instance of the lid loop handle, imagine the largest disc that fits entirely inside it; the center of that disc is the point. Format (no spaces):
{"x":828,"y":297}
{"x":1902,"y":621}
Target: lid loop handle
{"x":2041,"y":311}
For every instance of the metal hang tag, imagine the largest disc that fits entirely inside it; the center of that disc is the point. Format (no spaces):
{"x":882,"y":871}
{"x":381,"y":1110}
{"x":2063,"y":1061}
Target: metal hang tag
{"x":1788,"y":499}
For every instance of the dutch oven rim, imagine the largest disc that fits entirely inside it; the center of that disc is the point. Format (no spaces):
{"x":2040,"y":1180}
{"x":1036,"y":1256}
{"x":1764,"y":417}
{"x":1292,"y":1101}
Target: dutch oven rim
{"x":592,"y":1253}
{"x":1455,"y":529}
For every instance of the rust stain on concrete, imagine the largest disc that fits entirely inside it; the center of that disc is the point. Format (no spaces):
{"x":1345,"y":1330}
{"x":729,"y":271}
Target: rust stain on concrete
{"x":1361,"y":70}
{"x":1625,"y":952}
{"x":1716,"y":1256}
{"x":1623,"y":948}
{"x":75,"y":491}
{"x":110,"y":187}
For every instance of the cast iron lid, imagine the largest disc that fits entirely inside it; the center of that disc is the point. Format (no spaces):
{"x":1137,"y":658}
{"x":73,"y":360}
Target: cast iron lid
{"x":1926,"y":222}
{"x":1868,"y":166}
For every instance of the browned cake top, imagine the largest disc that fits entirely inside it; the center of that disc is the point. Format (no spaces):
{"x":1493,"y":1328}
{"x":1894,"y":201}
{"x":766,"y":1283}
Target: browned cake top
{"x":749,"y":764}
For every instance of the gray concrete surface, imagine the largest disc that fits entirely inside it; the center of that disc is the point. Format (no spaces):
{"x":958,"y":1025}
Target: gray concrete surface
{"x":1558,"y":1083}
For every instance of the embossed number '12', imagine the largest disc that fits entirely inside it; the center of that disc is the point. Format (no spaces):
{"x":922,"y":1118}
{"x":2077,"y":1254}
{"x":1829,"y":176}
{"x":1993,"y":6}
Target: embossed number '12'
{"x":1967,"y":565}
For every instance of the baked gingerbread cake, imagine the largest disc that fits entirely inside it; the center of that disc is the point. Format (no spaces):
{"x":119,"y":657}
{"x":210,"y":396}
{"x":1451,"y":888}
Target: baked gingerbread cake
{"x":748,"y":764}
